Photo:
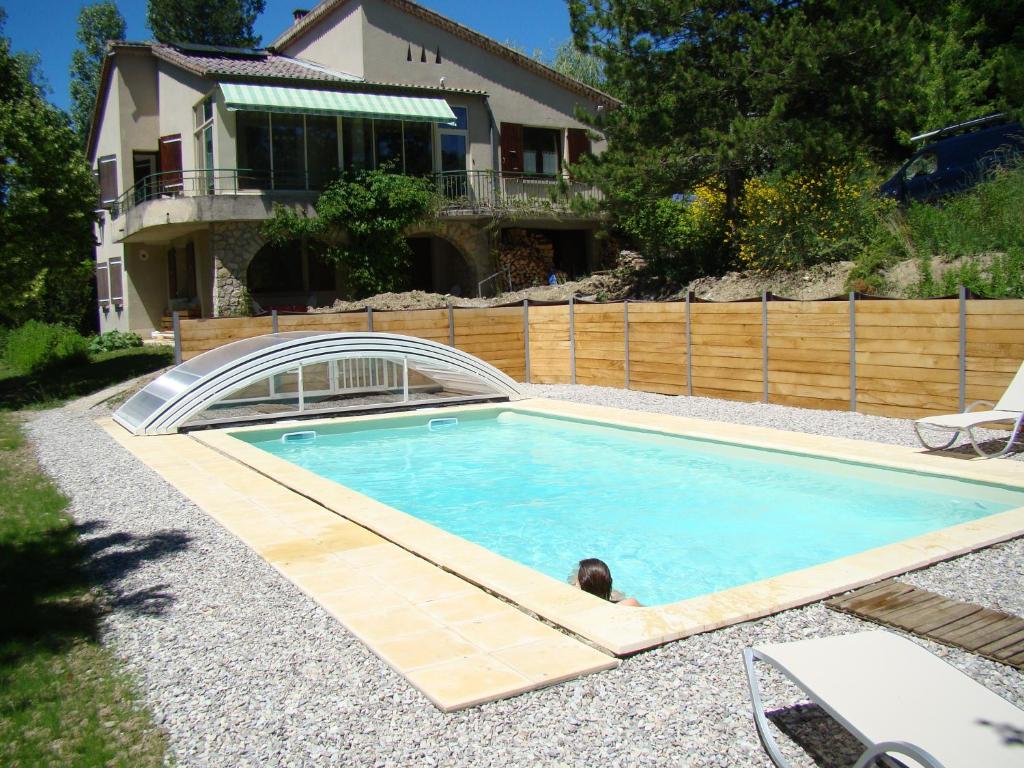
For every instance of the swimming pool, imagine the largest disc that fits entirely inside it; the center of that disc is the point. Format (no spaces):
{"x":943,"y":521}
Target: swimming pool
{"x":674,"y":517}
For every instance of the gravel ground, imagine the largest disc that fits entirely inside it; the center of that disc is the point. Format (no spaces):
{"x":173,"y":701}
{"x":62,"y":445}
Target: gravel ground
{"x":243,"y":670}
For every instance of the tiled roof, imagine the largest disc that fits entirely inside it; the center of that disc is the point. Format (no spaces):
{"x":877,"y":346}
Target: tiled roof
{"x":323,"y":9}
{"x":257,"y":64}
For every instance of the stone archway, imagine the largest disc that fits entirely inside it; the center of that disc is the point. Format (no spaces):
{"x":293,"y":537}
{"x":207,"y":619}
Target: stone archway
{"x":470,"y":240}
{"x":233,"y":245}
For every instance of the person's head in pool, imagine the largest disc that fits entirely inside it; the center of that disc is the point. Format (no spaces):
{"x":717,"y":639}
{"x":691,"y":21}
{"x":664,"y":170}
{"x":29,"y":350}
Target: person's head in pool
{"x":595,"y":578}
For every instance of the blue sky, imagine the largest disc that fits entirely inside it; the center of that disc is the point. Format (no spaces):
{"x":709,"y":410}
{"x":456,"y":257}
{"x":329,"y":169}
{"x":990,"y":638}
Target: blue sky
{"x":48,"y":26}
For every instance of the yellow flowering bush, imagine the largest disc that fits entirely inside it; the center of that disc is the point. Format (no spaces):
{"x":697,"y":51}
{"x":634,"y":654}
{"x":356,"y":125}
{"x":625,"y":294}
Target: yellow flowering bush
{"x":798,"y":220}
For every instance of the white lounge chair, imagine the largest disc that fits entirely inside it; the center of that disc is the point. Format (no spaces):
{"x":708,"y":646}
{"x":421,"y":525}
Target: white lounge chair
{"x":897,"y":699}
{"x":1010,"y":408}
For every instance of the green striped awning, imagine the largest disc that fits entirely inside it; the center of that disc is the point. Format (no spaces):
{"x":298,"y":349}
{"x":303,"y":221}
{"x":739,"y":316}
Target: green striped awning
{"x":305,"y":101}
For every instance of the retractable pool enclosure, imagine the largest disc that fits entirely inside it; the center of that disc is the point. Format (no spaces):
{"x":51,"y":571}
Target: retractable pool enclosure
{"x":302,"y":374}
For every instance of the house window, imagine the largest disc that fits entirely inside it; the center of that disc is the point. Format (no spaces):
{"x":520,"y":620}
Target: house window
{"x":253,"y":149}
{"x":321,"y":150}
{"x":203,"y":117}
{"x":418,"y":150}
{"x":541,"y":151}
{"x":454,"y":146}
{"x":388,"y":142}
{"x":357,"y":137}
{"x":284,"y":151}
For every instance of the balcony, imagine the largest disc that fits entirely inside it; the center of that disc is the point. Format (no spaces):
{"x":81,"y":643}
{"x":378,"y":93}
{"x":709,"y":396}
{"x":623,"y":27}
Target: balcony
{"x":179,"y":201}
{"x":485,"y":192}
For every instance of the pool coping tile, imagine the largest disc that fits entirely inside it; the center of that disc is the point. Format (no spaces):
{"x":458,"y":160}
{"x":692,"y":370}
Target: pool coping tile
{"x":402,"y":606}
{"x":622,"y":631}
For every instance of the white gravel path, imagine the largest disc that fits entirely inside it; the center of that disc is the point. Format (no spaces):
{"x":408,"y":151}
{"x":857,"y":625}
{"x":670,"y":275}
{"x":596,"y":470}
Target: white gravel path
{"x":243,"y":670}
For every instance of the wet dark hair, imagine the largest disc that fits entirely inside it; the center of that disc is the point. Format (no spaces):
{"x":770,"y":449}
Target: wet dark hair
{"x":595,"y":578}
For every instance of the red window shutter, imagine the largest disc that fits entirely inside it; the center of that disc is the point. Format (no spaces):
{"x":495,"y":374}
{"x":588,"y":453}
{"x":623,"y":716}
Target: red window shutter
{"x":170,"y":163}
{"x":106,"y":168}
{"x":579,"y":144}
{"x":511,"y":148}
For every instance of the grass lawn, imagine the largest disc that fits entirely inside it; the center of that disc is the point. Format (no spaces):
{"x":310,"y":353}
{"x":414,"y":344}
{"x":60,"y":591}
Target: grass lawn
{"x":46,"y":390}
{"x":63,"y":698}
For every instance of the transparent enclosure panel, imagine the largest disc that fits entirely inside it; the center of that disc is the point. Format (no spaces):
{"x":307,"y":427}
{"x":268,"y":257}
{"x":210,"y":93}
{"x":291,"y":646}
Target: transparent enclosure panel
{"x":342,"y":383}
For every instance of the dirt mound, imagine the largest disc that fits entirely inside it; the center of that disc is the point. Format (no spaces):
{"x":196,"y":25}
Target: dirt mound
{"x":819,"y":282}
{"x":603,"y":286}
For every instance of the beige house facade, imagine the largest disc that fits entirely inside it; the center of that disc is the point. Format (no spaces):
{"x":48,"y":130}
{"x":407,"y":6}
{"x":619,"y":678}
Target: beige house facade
{"x":195,"y":145}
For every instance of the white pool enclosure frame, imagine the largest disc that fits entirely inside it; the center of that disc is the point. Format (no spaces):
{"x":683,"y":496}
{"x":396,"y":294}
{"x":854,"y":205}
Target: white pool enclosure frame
{"x":357,"y":363}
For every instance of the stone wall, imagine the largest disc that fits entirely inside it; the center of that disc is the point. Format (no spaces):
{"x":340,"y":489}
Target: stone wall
{"x":233,"y":245}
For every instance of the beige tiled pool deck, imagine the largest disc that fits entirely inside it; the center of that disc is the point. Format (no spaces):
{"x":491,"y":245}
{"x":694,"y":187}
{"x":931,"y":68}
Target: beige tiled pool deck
{"x":458,"y":643}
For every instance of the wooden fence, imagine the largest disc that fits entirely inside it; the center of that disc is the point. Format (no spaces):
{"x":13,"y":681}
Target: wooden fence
{"x":904,"y":358}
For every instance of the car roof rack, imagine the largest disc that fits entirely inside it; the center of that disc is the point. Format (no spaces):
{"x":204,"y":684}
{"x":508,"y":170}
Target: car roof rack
{"x":977,"y":122}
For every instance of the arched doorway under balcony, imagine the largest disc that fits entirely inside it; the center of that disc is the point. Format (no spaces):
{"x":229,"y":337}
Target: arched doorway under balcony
{"x":292,"y":276}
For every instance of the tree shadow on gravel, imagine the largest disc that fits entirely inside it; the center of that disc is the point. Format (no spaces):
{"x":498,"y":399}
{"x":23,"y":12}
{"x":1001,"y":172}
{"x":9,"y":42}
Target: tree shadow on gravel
{"x":48,"y":583}
{"x":822,"y":738}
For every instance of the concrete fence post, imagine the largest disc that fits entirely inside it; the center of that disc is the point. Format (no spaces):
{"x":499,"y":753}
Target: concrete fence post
{"x":625,"y":337}
{"x":451,"y":325}
{"x":962,"y":292}
{"x":572,"y":340}
{"x":176,"y":326}
{"x":273,"y":321}
{"x":689,"y":347}
{"x":765,"y":295}
{"x":369,"y":319}
{"x":853,"y":350}
{"x":526,"y":340}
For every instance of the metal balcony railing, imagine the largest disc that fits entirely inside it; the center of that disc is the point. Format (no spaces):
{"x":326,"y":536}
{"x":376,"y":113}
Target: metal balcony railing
{"x":482,"y":191}
{"x":459,"y":191}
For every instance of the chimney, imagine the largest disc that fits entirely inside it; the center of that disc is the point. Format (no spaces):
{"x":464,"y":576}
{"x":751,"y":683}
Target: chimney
{"x":298,"y":13}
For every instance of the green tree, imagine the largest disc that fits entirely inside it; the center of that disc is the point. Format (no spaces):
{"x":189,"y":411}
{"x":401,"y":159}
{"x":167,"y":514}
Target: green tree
{"x":47,"y":195}
{"x":97,"y":24}
{"x":362,"y":221}
{"x":718,"y":92}
{"x":209,"y":22}
{"x":572,"y":62}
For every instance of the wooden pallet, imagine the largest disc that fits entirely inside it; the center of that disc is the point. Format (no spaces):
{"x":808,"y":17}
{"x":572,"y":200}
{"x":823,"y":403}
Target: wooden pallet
{"x":992,"y":634}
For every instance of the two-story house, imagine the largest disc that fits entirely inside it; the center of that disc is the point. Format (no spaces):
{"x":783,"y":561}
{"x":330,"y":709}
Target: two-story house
{"x":194,"y":145}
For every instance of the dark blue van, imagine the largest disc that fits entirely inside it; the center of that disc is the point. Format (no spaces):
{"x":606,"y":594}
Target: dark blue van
{"x":958,"y":160}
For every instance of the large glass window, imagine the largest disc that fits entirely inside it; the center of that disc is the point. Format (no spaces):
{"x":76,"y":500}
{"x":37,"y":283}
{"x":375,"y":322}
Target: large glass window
{"x":541,"y":151}
{"x":419,"y":152}
{"x":321,"y":150}
{"x":203,"y":113}
{"x":288,"y":158}
{"x":357,"y":139}
{"x":388,"y":141}
{"x":454,"y":141}
{"x":253,"y":149}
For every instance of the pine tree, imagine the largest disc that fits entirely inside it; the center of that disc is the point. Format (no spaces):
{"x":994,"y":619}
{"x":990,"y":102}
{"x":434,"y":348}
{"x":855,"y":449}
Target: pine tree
{"x":209,"y":22}
{"x":97,"y":24}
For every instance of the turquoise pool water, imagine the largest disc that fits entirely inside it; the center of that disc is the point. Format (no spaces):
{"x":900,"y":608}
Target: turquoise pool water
{"x":672,"y":517}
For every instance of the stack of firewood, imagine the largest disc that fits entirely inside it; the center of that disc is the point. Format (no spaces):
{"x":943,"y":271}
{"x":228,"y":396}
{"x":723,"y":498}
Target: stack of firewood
{"x":528,"y":257}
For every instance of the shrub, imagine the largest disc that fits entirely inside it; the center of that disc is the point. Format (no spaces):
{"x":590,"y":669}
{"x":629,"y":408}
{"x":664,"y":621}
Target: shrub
{"x":36,"y":346}
{"x":683,"y":236}
{"x":795,"y":221}
{"x":1003,"y":277}
{"x":986,"y":218}
{"x":114,"y":340}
